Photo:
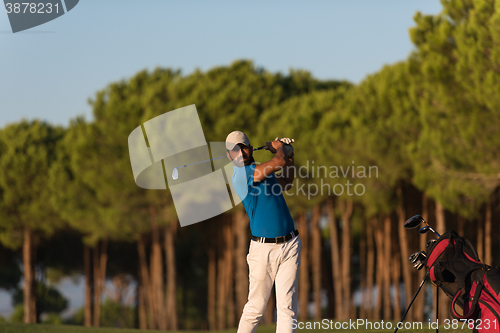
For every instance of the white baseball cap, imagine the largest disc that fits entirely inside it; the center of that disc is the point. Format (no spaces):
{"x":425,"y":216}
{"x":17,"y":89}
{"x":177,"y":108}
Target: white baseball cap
{"x":236,"y":137}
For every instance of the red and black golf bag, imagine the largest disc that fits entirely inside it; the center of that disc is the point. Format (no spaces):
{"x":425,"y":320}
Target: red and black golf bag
{"x":454,"y":266}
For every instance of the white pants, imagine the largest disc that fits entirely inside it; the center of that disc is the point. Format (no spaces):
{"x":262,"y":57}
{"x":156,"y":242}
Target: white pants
{"x":270,"y":263}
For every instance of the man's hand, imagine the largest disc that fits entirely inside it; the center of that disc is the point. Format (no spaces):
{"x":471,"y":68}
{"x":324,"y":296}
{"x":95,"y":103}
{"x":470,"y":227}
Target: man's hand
{"x":273,"y":146}
{"x":283,"y":158}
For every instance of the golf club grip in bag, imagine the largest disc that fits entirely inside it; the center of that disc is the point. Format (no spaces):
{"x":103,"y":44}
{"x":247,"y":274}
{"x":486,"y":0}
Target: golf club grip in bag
{"x":454,"y":266}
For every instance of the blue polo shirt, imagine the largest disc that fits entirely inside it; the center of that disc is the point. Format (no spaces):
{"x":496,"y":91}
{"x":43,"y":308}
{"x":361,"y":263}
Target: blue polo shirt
{"x":265,"y":205}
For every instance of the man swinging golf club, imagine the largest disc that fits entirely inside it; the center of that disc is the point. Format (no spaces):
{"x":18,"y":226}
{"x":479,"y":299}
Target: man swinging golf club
{"x":274,"y":253}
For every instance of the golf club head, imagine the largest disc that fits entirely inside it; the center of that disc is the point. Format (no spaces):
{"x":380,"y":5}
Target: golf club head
{"x":413,"y":222}
{"x":430,"y":243}
{"x":419,"y":265}
{"x":424,"y":230}
{"x":175,"y":174}
{"x":417,"y":259}
{"x":418,"y":256}
{"x":413,"y":258}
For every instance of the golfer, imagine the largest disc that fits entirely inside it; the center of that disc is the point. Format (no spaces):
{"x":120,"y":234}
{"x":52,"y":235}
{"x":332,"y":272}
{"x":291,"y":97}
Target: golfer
{"x":274,"y":253}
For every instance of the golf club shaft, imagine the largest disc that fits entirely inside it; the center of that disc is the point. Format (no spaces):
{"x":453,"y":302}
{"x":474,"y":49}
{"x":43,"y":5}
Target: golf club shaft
{"x":434,"y":231}
{"x":431,"y":228}
{"x":213,"y":159}
{"x":409,"y":306}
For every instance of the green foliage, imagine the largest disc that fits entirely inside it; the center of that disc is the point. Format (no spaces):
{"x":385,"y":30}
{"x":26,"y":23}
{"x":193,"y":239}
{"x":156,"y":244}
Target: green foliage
{"x":75,"y":201}
{"x":52,"y":318}
{"x":384,"y":122}
{"x":299,"y":118}
{"x":456,"y":157}
{"x":113,"y":314}
{"x":48,"y":299}
{"x":27,"y":149}
{"x":117,"y":315}
{"x":77,"y":318}
{"x":18,"y":314}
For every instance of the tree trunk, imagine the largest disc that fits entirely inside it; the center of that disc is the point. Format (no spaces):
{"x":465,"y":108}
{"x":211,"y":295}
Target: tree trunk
{"x":171,"y":297}
{"x":97,"y":287}
{"x":382,"y":293}
{"x":157,"y":273}
{"x":387,"y":266}
{"x":29,"y":292}
{"x":141,"y":302}
{"x":103,"y":260}
{"x":303,"y":270}
{"x":334,"y":247}
{"x":212,"y":284}
{"x":396,"y":278}
{"x":316,"y":261}
{"x":370,"y":268}
{"x":480,"y":239}
{"x":487,"y":235}
{"x":461,"y":225}
{"x":362,"y":272}
{"x":241,"y":225}
{"x":405,"y":252}
{"x":229,"y":272}
{"x":100,"y":260}
{"x":87,"y":262}
{"x":444,"y":302}
{"x":346,"y":257}
{"x":221,"y":282}
{"x":377,"y":309}
{"x":440,"y":218}
{"x":145,"y":285}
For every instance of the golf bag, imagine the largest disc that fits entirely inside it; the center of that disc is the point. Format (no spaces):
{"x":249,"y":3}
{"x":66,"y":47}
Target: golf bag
{"x":454,"y":266}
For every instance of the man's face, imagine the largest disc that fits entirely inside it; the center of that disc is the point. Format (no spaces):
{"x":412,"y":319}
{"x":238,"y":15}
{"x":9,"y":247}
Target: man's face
{"x":241,"y":155}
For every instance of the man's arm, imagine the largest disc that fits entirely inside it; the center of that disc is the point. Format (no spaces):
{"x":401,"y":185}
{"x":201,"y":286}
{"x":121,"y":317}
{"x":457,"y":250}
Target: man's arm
{"x":287,"y":176}
{"x":278,"y":161}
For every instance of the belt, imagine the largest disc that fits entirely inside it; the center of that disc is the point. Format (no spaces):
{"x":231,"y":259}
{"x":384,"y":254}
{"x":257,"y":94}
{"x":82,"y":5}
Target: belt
{"x":276,"y":240}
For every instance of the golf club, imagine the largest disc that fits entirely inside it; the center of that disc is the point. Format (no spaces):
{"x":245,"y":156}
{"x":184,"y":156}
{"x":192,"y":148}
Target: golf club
{"x":417,"y":259}
{"x":175,"y":172}
{"x":426,"y":229}
{"x":409,"y":306}
{"x":415,"y":221}
{"x":430,"y":242}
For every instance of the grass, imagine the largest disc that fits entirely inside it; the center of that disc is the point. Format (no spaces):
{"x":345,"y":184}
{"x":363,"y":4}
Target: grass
{"x":44,"y":328}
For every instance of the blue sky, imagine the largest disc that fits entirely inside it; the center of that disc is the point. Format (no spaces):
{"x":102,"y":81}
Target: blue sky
{"x":50,"y":71}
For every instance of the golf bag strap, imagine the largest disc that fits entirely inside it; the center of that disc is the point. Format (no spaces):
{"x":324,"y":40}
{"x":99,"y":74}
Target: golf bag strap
{"x":475,"y":300}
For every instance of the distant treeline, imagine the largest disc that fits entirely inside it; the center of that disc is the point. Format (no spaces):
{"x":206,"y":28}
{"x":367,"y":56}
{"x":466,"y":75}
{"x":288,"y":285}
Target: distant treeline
{"x":425,"y":131}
